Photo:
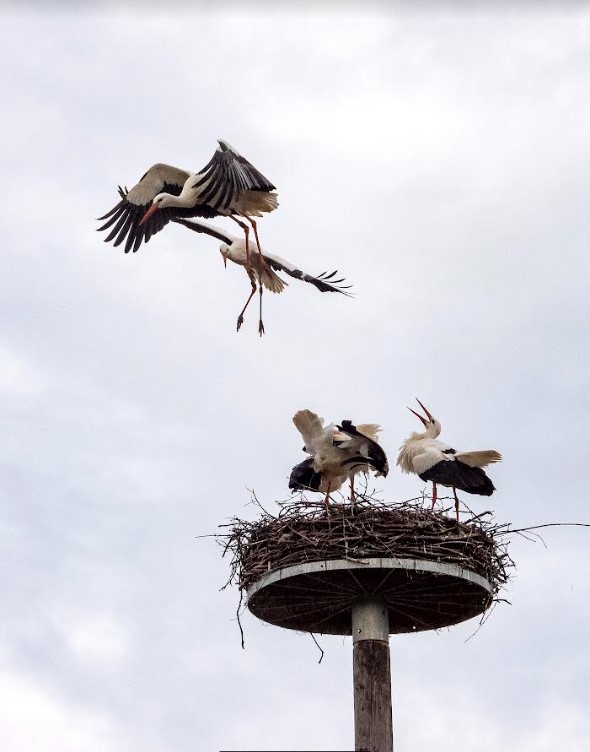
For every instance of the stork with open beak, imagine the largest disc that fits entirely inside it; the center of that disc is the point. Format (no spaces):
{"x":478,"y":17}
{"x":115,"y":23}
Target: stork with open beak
{"x":228,"y":185}
{"x":433,"y":460}
{"x":262,"y":268}
{"x":337,"y":453}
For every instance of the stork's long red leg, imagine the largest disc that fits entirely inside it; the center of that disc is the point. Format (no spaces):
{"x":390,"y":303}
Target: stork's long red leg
{"x":260,"y":324}
{"x":433,"y":495}
{"x":327,"y":499}
{"x":456,"y":503}
{"x":352,"y":494}
{"x":241,"y":316}
{"x":255,"y":228}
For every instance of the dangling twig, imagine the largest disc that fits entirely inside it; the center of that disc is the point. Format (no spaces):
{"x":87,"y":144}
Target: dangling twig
{"x":313,"y":637}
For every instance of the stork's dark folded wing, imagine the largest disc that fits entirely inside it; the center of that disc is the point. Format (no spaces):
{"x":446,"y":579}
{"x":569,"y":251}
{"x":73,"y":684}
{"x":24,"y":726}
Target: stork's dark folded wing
{"x":303,"y":477}
{"x":375,"y":456}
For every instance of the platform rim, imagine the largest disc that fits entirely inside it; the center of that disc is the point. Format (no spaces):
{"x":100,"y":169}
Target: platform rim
{"x":327,"y":565}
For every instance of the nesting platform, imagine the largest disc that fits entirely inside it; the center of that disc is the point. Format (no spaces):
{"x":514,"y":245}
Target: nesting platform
{"x":319,"y":596}
{"x":306,"y":570}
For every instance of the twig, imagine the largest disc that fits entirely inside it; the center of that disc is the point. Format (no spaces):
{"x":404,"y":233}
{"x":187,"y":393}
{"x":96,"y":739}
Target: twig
{"x":313,"y":637}
{"x":239,"y":620}
{"x":548,"y":524}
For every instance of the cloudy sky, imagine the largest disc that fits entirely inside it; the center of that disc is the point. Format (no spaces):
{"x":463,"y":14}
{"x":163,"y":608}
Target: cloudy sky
{"x":439,"y":159}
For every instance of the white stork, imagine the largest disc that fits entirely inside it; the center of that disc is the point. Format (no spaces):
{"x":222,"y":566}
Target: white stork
{"x":263,"y":267}
{"x":433,"y":460}
{"x":228,"y":185}
{"x":337,"y":453}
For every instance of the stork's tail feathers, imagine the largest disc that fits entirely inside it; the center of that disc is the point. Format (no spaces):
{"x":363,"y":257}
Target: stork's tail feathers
{"x":371,"y":430}
{"x":272,"y":281}
{"x":271,"y":200}
{"x":479,"y":459}
{"x":254,"y":203}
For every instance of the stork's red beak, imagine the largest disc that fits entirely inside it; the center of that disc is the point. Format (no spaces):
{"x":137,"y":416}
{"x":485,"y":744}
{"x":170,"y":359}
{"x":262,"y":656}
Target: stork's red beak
{"x":424,"y":421}
{"x":430,"y":417}
{"x":153,"y":208}
{"x":224,"y":254}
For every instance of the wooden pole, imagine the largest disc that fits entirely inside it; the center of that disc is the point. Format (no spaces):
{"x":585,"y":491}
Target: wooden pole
{"x":373,"y":729}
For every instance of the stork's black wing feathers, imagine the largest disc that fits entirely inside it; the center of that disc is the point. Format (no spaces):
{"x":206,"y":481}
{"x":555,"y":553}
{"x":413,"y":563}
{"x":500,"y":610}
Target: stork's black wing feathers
{"x":304,"y":478}
{"x":226,"y":174}
{"x":206,"y":229}
{"x":124,"y":219}
{"x":320,"y":282}
{"x":472,"y":480}
{"x":376,"y":457}
{"x":113,"y":210}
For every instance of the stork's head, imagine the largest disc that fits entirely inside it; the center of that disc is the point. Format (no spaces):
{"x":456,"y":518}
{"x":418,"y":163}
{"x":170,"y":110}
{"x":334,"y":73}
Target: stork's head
{"x":224,"y":250}
{"x":430,"y":423}
{"x":161,"y":201}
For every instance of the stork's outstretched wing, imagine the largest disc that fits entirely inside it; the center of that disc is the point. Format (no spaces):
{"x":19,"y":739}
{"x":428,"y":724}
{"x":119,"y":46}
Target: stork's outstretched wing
{"x":226,"y":175}
{"x":207,"y":229}
{"x":124,"y":218}
{"x":311,"y":428}
{"x":324,"y":282}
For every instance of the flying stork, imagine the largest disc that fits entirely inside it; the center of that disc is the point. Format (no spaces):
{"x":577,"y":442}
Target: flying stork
{"x":228,"y":185}
{"x":263,"y":267}
{"x":433,"y":460}
{"x":337,"y":454}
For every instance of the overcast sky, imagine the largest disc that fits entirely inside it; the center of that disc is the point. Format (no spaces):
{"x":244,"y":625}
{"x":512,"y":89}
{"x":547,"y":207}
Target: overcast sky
{"x":439,"y":159}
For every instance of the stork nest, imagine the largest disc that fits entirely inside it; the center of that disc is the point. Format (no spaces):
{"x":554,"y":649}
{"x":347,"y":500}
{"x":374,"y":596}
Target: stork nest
{"x":304,"y":532}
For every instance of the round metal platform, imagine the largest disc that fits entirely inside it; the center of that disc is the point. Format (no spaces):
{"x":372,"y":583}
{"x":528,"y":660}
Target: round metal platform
{"x":318,"y":596}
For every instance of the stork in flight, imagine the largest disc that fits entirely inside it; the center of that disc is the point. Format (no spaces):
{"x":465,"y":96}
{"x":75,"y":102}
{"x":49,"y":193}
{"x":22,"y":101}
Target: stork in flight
{"x":228,"y":185}
{"x":433,"y":460}
{"x":337,"y":453}
{"x":263,"y":267}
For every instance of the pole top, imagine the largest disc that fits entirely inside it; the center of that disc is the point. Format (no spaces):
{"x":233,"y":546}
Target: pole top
{"x":370,"y":620}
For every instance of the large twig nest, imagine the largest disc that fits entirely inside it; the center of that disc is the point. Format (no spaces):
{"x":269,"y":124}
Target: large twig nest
{"x":304,"y":569}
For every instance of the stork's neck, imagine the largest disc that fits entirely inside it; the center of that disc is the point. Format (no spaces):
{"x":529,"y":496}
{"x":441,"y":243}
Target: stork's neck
{"x":185,"y":200}
{"x":432,"y":431}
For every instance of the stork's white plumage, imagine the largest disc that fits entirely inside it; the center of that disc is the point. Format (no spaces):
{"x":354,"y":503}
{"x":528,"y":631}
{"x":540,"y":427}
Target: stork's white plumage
{"x":228,"y":185}
{"x":433,"y":460}
{"x":337,"y":453}
{"x":262,"y":268}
